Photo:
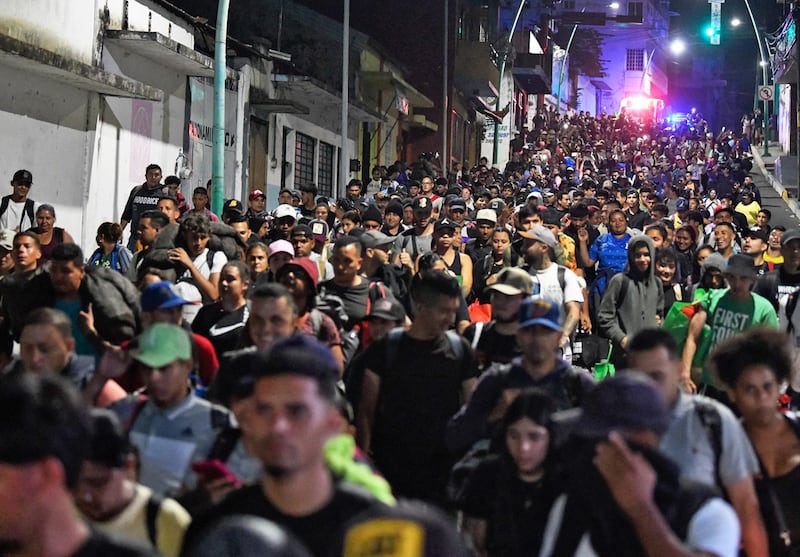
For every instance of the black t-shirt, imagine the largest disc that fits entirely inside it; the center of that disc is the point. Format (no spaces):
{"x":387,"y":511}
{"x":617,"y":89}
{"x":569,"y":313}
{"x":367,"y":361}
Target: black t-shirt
{"x":221,"y":327}
{"x":419,"y":392}
{"x":317,"y":531}
{"x":493,"y":347}
{"x":515,"y":511}
{"x":101,"y":544}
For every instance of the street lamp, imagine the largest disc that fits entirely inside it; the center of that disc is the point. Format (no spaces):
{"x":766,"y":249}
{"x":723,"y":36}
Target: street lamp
{"x":614,"y":5}
{"x":736,"y":22}
{"x":677,"y":47}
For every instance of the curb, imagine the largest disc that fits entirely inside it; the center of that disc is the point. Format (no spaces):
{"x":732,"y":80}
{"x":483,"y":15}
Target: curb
{"x":793,"y":205}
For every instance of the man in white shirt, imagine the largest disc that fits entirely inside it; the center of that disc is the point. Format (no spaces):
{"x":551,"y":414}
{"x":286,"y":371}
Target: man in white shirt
{"x":16,"y":210}
{"x":550,"y":280}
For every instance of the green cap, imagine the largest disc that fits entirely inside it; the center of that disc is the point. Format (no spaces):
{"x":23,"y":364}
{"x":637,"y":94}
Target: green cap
{"x":162,"y":344}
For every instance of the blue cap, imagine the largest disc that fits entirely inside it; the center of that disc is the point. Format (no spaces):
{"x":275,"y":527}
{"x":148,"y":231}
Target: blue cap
{"x":160,"y":295}
{"x":540,"y":311}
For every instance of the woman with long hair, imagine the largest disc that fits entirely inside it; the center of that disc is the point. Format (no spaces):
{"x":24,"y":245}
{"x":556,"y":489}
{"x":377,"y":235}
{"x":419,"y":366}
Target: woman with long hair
{"x":508,"y":497}
{"x":223,"y":320}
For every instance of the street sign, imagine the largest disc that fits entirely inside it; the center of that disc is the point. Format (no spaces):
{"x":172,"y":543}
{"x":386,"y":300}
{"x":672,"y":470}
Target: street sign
{"x":766,"y":92}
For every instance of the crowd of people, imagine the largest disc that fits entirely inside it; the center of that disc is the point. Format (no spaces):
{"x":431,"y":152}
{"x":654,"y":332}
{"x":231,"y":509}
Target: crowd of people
{"x":592,"y":351}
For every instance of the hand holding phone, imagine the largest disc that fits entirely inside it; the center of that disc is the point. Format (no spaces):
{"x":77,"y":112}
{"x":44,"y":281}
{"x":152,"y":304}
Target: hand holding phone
{"x":213,"y":470}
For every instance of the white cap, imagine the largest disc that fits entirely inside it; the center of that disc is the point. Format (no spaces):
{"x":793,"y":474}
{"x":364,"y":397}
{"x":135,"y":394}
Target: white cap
{"x":487,"y":214}
{"x":285,"y":210}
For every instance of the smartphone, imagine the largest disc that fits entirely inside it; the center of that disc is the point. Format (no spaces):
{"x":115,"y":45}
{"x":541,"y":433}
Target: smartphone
{"x":213,"y":470}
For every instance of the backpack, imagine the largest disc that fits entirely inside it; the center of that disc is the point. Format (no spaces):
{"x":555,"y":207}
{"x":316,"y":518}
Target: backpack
{"x":27,"y":211}
{"x":477,"y":453}
{"x":151,"y":516}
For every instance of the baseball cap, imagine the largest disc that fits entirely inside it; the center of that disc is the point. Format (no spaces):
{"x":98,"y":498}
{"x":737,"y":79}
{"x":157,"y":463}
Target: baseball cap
{"x":302,"y":230}
{"x":741,"y":265}
{"x":512,"y":281}
{"x":281,"y":246}
{"x":486,"y":214}
{"x":160,"y":295}
{"x":375,"y":238}
{"x":386,"y":308}
{"x":23,"y":177}
{"x":790,"y":235}
{"x":539,"y":311}
{"x":284,"y":210}
{"x":304,"y":264}
{"x":458,"y":204}
{"x":7,"y":239}
{"x":625,"y":402}
{"x":232,"y":205}
{"x":422,"y":205}
{"x":758,"y":234}
{"x":681,"y":204}
{"x":444,"y":224}
{"x":255,"y":194}
{"x":497,"y":205}
{"x":540,"y":234}
{"x":160,"y":345}
{"x":319,"y":229}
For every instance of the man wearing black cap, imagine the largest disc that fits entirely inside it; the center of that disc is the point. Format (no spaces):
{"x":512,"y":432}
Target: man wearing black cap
{"x":622,"y":496}
{"x":45,"y":432}
{"x":416,"y":241}
{"x":17,"y":210}
{"x":377,"y":265}
{"x":142,"y":198}
{"x":754,"y":244}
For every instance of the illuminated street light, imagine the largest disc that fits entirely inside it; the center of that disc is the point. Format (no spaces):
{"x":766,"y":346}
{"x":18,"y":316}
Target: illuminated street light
{"x":677,"y":47}
{"x":736,"y":22}
{"x":762,"y":63}
{"x":614,"y":5}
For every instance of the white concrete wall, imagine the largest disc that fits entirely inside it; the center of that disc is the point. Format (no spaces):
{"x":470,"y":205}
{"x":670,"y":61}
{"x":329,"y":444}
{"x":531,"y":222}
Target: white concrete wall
{"x":44,"y":131}
{"x":146,"y":16}
{"x":587,"y":95}
{"x":66,"y":27}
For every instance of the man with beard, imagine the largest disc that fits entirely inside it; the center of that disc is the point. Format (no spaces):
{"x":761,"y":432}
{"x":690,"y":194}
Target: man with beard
{"x":495,"y":341}
{"x":293,"y":414}
{"x":417,"y":240}
{"x":539,"y":334}
{"x":552,"y":281}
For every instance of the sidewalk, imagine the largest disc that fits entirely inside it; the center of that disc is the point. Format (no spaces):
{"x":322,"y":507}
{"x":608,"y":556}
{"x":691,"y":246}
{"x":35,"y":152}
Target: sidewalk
{"x":766,"y":165}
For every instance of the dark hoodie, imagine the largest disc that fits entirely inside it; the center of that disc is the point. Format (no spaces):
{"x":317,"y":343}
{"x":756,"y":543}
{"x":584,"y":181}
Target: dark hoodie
{"x":633,"y":299}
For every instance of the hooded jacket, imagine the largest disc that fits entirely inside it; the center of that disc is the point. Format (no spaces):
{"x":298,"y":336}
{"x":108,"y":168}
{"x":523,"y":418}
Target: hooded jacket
{"x":632,"y":299}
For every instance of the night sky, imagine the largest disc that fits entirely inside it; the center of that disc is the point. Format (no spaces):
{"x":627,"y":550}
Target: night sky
{"x":405,"y":28}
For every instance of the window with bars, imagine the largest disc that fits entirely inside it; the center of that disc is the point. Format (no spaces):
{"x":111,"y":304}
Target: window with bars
{"x":636,"y":9}
{"x":327,"y":154}
{"x":303,"y":160}
{"x":634,"y":60}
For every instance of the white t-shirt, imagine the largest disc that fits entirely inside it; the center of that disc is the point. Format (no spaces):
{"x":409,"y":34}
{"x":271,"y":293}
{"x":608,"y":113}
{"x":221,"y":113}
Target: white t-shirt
{"x":547,"y":285}
{"x":15,"y":217}
{"x":185,"y":287}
